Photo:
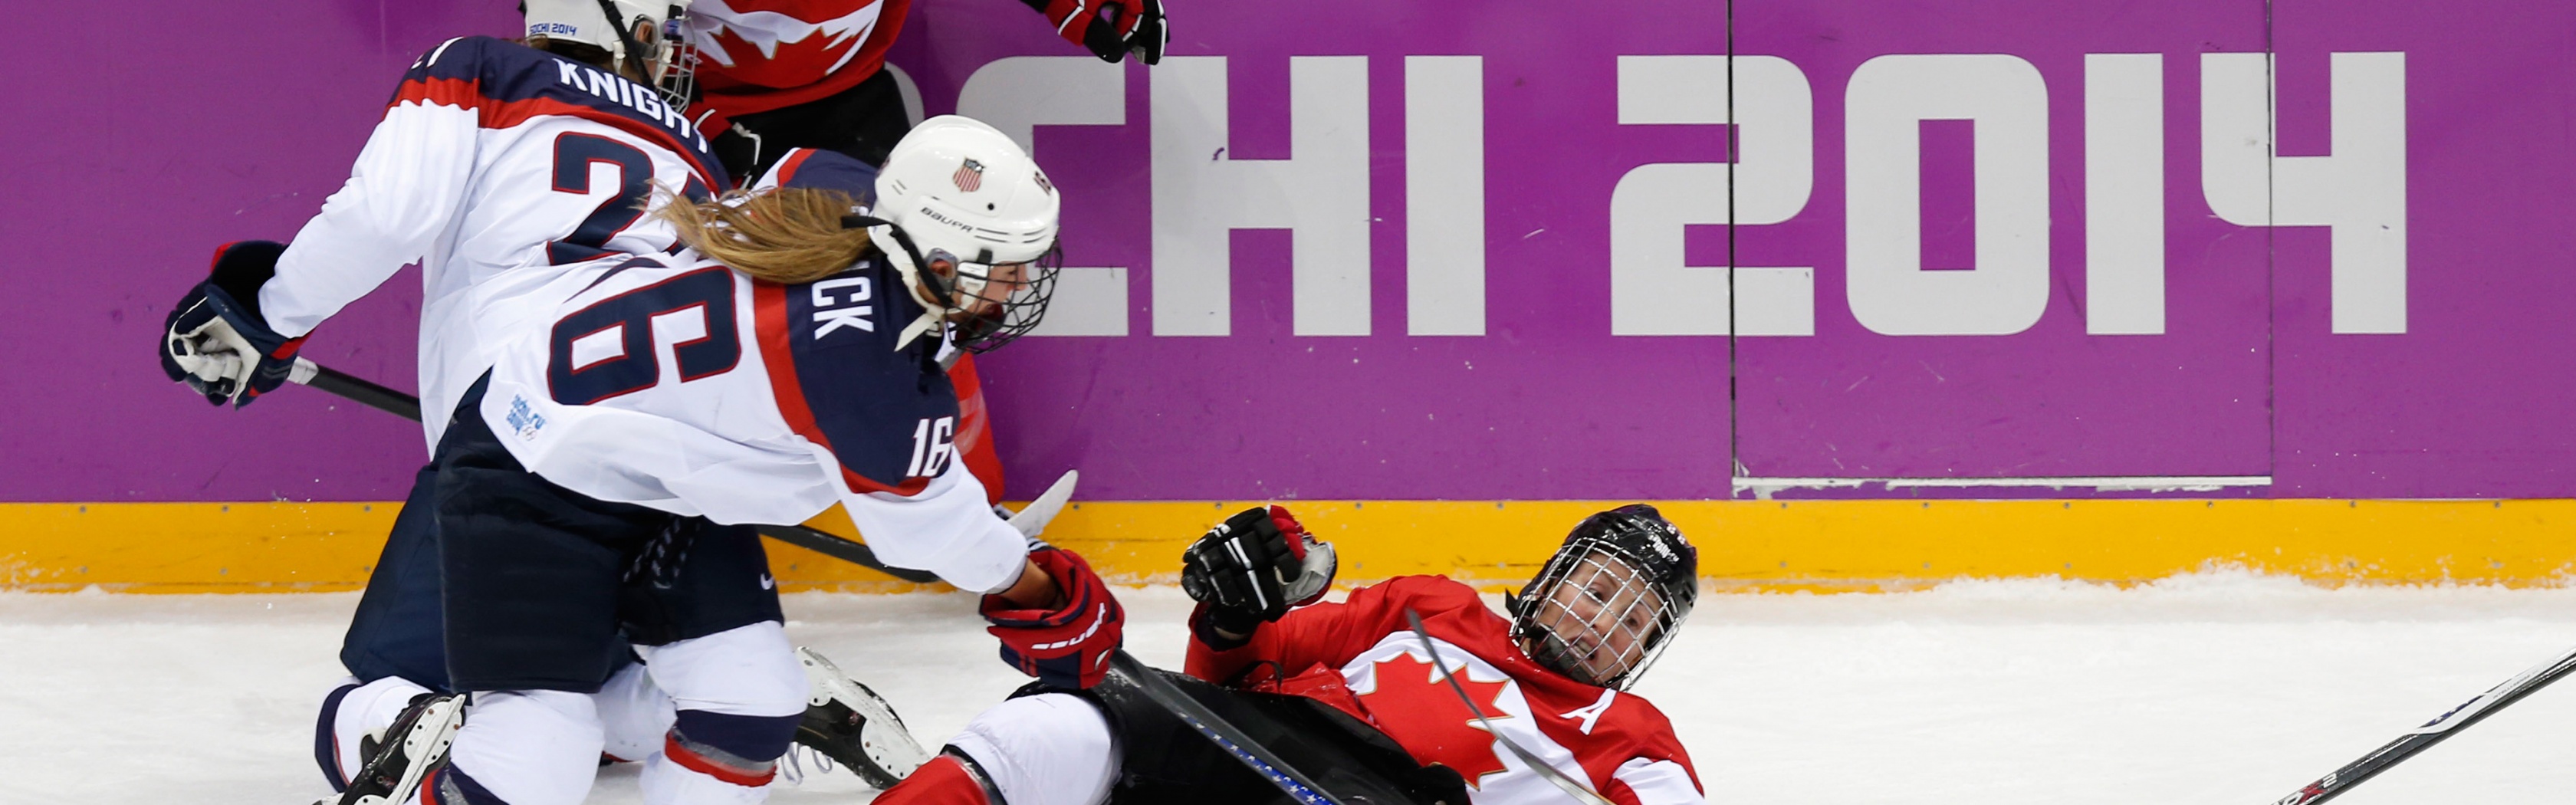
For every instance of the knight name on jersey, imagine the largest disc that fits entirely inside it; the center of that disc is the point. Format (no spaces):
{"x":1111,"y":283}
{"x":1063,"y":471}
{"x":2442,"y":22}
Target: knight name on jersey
{"x":629,"y":94}
{"x":509,"y":83}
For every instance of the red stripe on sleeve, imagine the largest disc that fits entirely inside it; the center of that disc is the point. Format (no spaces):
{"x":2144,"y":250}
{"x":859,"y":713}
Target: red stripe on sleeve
{"x":468,"y":94}
{"x":787,"y":167}
{"x":462,"y":93}
{"x":770,"y":326}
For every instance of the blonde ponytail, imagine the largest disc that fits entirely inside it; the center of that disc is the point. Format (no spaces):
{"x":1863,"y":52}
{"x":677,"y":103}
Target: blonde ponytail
{"x":789,"y":235}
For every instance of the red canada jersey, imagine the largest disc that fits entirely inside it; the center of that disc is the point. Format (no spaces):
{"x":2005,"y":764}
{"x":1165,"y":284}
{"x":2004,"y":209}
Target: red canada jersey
{"x":1362,"y":657}
{"x":759,"y":55}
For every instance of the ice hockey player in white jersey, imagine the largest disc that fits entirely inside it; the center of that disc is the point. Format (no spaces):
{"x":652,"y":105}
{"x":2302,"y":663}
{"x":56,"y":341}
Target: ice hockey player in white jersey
{"x":1349,"y":693}
{"x":843,"y":720}
{"x":492,"y":156}
{"x":495,"y":163}
{"x":748,"y":380}
{"x":580,"y":487}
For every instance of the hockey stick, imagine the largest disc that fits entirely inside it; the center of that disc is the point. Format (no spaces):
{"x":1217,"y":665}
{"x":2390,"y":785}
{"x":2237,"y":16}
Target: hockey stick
{"x":2424,"y":737}
{"x":1030,"y":521}
{"x":354,"y":389}
{"x":1296,"y":784}
{"x":831,"y":545}
{"x":1578,"y":791}
{"x":308,"y":373}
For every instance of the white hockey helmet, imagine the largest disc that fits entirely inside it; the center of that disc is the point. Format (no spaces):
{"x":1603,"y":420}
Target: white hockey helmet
{"x":638,"y":33}
{"x":960,"y":196}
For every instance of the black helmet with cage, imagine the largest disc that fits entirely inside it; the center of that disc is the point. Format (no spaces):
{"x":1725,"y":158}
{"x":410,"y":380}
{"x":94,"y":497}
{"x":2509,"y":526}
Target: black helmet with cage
{"x":1605,"y":606}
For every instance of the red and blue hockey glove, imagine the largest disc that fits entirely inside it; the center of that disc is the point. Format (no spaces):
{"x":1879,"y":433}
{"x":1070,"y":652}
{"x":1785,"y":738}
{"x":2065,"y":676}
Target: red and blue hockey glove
{"x":1111,"y":29}
{"x":216,"y":340}
{"x":1254,"y":567}
{"x":1069,"y":646}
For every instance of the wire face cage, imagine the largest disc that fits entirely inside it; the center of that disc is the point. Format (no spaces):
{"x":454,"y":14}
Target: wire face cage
{"x":1017,"y":313}
{"x":1595,"y":617}
{"x":1603,"y":608}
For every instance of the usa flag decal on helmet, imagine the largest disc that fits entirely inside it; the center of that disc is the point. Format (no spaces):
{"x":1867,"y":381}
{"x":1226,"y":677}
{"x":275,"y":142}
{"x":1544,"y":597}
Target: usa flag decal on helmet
{"x":969,"y":176}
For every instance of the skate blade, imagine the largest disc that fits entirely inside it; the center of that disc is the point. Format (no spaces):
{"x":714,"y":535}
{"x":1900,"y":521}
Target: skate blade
{"x":424,"y":747}
{"x":883,"y":737}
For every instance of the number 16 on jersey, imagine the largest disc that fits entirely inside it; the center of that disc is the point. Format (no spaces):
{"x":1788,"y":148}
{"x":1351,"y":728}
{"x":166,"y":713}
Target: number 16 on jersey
{"x":930,"y":446}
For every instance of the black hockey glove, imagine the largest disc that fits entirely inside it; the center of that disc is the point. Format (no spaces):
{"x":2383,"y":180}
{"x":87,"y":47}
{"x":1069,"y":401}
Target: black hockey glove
{"x":215,"y":339}
{"x":1255,"y":566}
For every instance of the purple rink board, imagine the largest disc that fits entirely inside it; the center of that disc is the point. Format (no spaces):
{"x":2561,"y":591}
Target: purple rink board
{"x":1988,"y":239}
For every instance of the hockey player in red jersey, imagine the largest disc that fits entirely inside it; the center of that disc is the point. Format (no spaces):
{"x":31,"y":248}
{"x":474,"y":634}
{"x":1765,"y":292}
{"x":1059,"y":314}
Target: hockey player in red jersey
{"x":1349,"y":687}
{"x":774,"y":75}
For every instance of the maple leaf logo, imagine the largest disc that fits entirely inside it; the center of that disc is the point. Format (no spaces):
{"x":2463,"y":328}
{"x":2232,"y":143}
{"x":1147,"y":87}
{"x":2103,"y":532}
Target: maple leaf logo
{"x":1416,"y":708}
{"x":717,"y":30}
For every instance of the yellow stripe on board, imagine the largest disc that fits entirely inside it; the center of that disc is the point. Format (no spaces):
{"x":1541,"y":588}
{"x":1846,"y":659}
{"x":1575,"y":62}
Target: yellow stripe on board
{"x":1849,"y":545}
{"x":191,"y":547}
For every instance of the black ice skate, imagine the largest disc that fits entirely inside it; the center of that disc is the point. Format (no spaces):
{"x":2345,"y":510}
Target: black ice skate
{"x":850,"y":724}
{"x":414,"y":745}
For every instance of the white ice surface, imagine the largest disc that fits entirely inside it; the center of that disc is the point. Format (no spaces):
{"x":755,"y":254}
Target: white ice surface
{"x":2218,"y":688}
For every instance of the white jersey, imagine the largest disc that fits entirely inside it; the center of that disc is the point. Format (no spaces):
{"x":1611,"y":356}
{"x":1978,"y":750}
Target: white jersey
{"x":674,"y":382}
{"x":496,"y":165}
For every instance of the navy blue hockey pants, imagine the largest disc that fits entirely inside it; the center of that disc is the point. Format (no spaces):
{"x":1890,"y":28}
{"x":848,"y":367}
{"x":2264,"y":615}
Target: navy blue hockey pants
{"x":542,"y":561}
{"x":398,"y":630}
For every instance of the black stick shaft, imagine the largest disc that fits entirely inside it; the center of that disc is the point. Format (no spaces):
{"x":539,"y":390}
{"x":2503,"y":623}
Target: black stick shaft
{"x":364,"y":392}
{"x":2433,"y":732}
{"x":857,"y":553}
{"x":361,"y":391}
{"x":1299,"y":786}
